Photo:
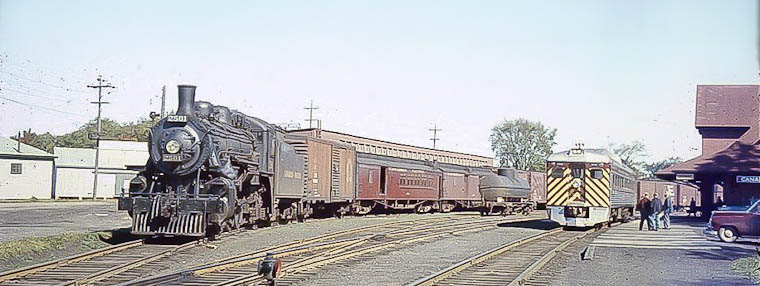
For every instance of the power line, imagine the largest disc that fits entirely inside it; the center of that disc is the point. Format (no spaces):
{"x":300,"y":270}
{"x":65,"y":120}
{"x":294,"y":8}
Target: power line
{"x":36,"y":95}
{"x":42,"y":82}
{"x":435,"y":134}
{"x":41,"y":107}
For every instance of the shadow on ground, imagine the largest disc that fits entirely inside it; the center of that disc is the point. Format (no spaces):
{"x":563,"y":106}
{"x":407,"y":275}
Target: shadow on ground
{"x":118,"y":236}
{"x":544,"y":224}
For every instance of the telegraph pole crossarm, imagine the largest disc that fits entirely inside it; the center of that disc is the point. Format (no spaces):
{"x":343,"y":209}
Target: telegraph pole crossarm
{"x":311,"y":109}
{"x":100,"y":86}
{"x":435,"y":131}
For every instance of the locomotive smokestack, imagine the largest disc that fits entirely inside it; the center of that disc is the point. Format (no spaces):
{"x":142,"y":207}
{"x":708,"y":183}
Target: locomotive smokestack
{"x":186,"y":100}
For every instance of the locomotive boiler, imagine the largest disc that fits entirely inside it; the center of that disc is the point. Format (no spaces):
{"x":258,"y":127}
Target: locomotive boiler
{"x":211,"y":169}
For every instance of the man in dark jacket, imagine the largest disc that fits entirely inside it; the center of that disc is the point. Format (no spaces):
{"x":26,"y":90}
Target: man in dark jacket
{"x":656,"y":208}
{"x":667,"y":209}
{"x":643,"y":207}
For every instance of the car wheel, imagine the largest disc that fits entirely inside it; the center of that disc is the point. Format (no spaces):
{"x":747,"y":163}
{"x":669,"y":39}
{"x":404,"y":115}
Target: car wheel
{"x":728,"y":234}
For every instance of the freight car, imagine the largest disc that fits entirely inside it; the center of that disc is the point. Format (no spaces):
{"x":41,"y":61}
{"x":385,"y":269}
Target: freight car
{"x":682,"y":193}
{"x":213,"y":169}
{"x":588,"y":187}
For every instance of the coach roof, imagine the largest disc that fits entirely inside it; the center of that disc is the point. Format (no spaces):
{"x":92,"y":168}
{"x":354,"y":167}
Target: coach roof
{"x":589,"y":156}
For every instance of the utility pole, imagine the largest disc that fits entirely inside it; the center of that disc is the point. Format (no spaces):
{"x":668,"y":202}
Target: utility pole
{"x":435,"y":134}
{"x":311,"y":109}
{"x":163,"y":102}
{"x":100,"y":86}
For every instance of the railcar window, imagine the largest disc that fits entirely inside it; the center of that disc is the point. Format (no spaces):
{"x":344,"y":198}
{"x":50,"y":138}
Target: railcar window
{"x":15,"y":168}
{"x":597,"y":174}
{"x":558,"y":172}
{"x":370,"y":176}
{"x":578,"y":173}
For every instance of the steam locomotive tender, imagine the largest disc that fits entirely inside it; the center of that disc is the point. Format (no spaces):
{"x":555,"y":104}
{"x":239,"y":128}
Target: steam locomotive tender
{"x":212,"y":169}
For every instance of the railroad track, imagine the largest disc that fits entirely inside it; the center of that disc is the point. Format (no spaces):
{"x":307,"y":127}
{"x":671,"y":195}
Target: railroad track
{"x":302,"y":259}
{"x":514,"y":263}
{"x":127,"y":261}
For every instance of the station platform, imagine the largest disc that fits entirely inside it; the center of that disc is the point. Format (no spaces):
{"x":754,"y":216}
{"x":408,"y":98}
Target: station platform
{"x":684,"y":234}
{"x":623,"y":255}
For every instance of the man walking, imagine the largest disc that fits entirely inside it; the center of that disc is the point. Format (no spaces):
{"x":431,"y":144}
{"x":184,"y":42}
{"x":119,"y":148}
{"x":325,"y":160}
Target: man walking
{"x":693,"y":207}
{"x":667,"y":208}
{"x":656,"y":208}
{"x":643,"y":207}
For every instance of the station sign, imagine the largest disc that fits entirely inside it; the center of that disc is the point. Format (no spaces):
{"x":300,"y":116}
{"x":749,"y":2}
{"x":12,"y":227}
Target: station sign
{"x":684,"y":177}
{"x":748,"y":179}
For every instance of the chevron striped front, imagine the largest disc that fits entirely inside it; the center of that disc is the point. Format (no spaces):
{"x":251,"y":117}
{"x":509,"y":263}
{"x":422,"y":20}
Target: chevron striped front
{"x":584,"y":189}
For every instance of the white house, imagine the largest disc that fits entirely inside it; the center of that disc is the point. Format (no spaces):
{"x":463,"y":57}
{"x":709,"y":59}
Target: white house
{"x":25,"y":172}
{"x":75,"y":168}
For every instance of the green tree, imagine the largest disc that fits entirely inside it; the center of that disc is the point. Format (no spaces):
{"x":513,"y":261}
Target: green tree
{"x":80,"y":138}
{"x":631,"y":154}
{"x":651,"y":168}
{"x":522,"y":144}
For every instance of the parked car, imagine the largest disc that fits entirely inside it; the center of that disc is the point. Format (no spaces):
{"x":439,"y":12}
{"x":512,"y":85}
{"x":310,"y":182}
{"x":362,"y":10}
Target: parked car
{"x":730,"y":223}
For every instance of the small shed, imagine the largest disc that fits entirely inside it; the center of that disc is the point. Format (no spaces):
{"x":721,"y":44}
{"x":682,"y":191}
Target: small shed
{"x":25,"y":172}
{"x":75,"y":168}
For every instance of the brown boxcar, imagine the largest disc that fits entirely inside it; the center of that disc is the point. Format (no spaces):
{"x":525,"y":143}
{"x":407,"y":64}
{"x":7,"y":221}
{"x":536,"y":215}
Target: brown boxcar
{"x":682,"y":193}
{"x":329,"y":171}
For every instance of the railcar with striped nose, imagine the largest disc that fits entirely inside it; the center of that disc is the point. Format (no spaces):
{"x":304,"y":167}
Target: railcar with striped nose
{"x":589,"y":187}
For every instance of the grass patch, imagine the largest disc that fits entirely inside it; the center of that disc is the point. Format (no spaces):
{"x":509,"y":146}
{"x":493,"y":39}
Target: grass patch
{"x":750,"y":266}
{"x":26,"y":248}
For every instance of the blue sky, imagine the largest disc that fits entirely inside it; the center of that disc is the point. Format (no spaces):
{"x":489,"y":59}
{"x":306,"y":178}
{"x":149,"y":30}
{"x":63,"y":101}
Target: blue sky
{"x":598,"y":71}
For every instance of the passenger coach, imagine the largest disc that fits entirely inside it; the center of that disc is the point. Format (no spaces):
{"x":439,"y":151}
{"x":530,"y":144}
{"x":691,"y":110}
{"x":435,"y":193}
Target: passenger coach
{"x":588,"y":187}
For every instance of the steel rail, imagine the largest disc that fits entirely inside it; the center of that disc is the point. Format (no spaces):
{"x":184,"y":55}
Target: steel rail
{"x":317,"y":260}
{"x":21,"y":272}
{"x":252,"y":257}
{"x":460,"y":272}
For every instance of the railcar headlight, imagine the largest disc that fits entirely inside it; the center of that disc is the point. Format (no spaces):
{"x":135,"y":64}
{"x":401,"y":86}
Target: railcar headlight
{"x":576,"y":184}
{"x":172,"y":146}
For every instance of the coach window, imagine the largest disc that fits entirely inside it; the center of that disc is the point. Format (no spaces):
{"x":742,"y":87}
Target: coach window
{"x":15,"y":168}
{"x":597,"y":174}
{"x":558,"y":172}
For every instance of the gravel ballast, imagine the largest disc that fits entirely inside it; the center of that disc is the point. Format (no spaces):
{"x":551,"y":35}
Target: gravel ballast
{"x":406,"y":265}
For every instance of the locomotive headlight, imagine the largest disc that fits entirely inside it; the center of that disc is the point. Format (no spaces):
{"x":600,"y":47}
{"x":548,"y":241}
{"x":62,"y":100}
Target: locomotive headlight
{"x":172,"y":146}
{"x":576,"y":184}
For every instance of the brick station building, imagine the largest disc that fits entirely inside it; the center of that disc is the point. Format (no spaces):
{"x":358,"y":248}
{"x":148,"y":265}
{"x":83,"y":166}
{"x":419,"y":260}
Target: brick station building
{"x":728,"y":118}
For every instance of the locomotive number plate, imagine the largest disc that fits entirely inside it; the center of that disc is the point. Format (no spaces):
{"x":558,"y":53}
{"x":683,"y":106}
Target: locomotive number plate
{"x":172,"y":158}
{"x":176,"y":118}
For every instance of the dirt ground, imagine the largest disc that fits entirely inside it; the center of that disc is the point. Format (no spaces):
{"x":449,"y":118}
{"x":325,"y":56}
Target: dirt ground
{"x":36,"y":219}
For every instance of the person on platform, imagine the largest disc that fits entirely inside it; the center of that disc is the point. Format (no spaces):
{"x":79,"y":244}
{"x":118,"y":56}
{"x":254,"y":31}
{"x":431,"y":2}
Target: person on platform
{"x":654,"y":215}
{"x":719,"y":203}
{"x":693,"y":207}
{"x":643,"y":207}
{"x":667,"y":209}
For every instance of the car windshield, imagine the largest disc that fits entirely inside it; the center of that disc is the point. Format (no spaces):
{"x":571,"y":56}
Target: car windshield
{"x":733,"y":208}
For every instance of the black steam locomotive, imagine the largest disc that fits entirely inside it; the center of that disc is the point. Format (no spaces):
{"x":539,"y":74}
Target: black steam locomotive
{"x":211,"y":169}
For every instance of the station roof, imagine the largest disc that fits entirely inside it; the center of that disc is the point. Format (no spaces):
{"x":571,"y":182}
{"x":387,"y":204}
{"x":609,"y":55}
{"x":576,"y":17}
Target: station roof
{"x":739,"y":157}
